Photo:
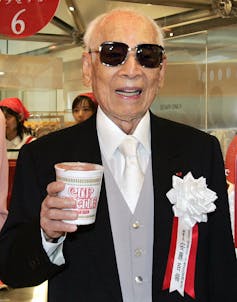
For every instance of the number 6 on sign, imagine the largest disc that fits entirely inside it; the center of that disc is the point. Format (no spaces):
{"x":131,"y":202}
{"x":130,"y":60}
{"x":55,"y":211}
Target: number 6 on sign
{"x":25,"y":18}
{"x":18,"y":23}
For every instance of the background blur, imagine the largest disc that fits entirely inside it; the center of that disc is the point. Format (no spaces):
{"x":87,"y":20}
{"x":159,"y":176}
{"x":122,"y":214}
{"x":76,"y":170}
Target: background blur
{"x":44,"y":71}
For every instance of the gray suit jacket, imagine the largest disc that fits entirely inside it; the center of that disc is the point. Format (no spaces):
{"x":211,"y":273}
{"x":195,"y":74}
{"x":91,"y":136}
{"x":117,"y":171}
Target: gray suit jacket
{"x":90,"y":273}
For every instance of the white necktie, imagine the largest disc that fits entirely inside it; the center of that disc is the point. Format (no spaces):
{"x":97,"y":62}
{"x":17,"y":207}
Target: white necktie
{"x":132,"y":176}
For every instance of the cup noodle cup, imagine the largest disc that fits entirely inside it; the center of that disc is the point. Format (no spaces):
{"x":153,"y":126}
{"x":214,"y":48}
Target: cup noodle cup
{"x":83,"y":183}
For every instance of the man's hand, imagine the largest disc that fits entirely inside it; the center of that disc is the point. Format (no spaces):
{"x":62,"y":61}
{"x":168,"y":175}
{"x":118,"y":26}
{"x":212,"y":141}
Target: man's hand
{"x":53,"y":212}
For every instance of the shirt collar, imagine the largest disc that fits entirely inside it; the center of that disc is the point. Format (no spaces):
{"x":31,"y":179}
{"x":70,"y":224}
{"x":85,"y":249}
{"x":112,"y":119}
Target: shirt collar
{"x":110,"y":135}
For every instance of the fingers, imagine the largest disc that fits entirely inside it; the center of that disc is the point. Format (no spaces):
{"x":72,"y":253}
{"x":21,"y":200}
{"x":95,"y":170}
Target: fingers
{"x":55,"y":187}
{"x":54,"y":210}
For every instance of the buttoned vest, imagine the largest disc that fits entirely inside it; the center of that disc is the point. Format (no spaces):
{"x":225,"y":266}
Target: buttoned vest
{"x":132,"y":237}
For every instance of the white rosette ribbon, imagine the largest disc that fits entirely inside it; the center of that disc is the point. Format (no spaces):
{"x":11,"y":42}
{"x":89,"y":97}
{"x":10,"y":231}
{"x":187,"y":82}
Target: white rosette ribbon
{"x":191,"y":200}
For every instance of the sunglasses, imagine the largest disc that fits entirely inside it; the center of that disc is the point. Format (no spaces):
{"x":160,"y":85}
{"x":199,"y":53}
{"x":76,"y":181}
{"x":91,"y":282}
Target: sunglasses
{"x":116,"y":53}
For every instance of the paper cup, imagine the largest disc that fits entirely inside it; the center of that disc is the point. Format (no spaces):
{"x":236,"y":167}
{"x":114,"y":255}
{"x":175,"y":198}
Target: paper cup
{"x":83,"y":183}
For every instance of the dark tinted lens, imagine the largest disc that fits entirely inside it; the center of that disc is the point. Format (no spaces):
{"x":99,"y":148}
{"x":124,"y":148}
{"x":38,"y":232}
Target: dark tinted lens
{"x":113,"y":53}
{"x":149,"y":55}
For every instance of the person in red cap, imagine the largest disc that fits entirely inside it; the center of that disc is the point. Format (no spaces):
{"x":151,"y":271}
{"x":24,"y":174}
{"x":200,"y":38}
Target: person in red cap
{"x":16,"y":133}
{"x":3,"y":173}
{"x":84,"y":106}
{"x":3,"y":179}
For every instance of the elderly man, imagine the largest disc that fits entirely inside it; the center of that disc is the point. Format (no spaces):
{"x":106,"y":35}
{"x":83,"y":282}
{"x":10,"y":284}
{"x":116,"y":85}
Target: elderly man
{"x":169,"y":240}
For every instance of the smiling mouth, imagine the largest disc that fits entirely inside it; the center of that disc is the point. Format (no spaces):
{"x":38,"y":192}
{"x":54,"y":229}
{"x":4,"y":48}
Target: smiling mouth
{"x":128,"y":93}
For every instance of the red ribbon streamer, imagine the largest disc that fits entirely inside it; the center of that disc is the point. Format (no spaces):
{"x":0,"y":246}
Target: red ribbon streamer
{"x":169,"y":267}
{"x":235,"y":205}
{"x":190,"y":275}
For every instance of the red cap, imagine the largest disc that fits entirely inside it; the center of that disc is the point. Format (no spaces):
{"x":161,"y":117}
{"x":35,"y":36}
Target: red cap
{"x":16,"y":105}
{"x":90,"y":95}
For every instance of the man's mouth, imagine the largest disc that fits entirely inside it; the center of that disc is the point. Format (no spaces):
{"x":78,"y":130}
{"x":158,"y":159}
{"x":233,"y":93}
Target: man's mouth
{"x":128,"y":93}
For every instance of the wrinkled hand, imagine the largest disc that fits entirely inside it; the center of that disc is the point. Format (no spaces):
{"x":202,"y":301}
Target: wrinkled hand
{"x":52,"y":212}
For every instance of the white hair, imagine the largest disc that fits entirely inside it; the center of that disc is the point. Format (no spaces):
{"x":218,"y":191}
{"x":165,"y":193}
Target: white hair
{"x":90,"y":33}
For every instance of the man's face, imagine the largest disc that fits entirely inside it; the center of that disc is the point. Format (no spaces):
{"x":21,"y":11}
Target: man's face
{"x":126,"y":91}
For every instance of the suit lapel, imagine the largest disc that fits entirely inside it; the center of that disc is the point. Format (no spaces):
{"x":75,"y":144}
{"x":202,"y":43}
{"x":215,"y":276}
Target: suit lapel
{"x":166,"y":159}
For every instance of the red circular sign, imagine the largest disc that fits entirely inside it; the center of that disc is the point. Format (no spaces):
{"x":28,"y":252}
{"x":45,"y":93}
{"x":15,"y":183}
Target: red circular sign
{"x":22,"y":18}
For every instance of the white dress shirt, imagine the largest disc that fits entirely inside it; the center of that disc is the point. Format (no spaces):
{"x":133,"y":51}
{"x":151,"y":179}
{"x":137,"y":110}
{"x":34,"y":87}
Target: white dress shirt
{"x":111,"y":136}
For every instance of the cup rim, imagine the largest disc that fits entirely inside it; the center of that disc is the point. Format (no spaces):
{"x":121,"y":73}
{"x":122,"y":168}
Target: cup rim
{"x":98,"y":167}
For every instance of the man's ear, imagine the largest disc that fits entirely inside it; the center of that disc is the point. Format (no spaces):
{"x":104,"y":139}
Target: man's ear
{"x":162,"y":73}
{"x":86,"y":69}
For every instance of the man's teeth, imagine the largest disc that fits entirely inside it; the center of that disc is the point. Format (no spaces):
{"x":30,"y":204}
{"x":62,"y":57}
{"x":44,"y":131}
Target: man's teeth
{"x":128,"y":93}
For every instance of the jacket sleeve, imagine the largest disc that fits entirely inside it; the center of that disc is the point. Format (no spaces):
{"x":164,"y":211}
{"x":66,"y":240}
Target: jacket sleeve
{"x":23,"y":261}
{"x":222,"y":264}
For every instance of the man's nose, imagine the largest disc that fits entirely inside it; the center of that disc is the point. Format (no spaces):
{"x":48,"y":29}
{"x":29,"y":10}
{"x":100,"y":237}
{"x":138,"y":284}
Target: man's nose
{"x":131,"y":66}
